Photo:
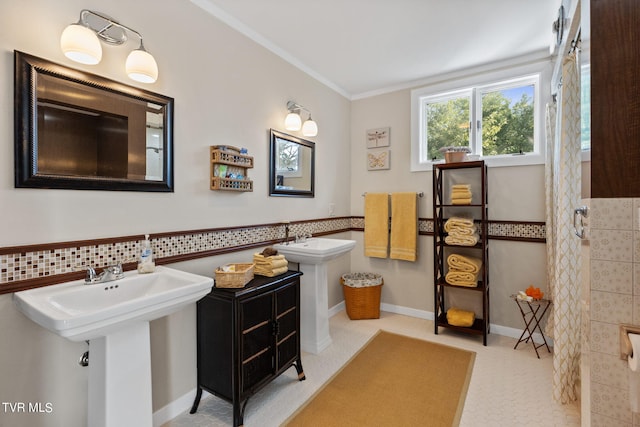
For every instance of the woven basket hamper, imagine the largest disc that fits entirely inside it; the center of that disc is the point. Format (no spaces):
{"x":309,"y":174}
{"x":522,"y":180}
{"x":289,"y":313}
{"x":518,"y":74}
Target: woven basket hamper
{"x":362,"y":295}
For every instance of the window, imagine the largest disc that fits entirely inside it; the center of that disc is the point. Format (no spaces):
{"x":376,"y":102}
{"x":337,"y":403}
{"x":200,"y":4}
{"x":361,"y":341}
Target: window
{"x":498,"y":121}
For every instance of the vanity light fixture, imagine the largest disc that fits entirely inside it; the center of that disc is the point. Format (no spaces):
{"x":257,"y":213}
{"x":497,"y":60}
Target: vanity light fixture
{"x":294,"y":122}
{"x":80,"y":42}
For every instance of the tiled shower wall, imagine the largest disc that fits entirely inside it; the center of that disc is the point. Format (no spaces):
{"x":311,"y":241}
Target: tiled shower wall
{"x":615,"y":299}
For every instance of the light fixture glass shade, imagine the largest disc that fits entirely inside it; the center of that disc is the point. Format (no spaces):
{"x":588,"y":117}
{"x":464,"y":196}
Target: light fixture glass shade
{"x":292,"y":121}
{"x":81,"y":44}
{"x":141,"y":66}
{"x":309,"y":128}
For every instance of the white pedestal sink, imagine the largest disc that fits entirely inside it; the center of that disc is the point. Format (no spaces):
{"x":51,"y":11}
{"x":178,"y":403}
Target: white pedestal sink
{"x":312,"y":256}
{"x":114,"y":317}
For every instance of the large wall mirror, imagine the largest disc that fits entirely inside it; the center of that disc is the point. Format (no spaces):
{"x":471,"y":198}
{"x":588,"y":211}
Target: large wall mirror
{"x":292,"y":166}
{"x":76,"y":130}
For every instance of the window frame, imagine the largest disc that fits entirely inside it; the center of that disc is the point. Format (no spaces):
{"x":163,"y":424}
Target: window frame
{"x":541,"y":70}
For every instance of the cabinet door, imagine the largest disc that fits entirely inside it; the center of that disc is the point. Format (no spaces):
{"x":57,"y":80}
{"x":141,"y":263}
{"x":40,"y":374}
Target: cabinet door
{"x":287,"y":317}
{"x":256,"y":348}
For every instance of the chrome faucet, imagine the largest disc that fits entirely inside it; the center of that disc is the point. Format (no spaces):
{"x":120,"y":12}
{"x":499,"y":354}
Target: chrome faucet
{"x":303,"y":237}
{"x":109,"y":274}
{"x":286,"y":233}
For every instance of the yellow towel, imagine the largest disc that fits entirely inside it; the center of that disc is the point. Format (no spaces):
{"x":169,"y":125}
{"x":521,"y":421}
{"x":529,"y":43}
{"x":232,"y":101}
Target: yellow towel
{"x":464,"y":263}
{"x":458,"y":317}
{"x":461,"y":201}
{"x":270,"y":272}
{"x":463,"y":187}
{"x":461,"y":278}
{"x":462,"y":239}
{"x":458,"y":221}
{"x":461,"y":195}
{"x":404,"y":226}
{"x":376,"y":224}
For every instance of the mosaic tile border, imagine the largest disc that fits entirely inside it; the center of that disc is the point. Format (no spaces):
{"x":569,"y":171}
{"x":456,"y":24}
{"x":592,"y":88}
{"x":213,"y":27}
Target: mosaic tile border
{"x":38,"y":265}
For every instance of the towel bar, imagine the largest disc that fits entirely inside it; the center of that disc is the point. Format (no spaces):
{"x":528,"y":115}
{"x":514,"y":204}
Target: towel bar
{"x":419,"y":194}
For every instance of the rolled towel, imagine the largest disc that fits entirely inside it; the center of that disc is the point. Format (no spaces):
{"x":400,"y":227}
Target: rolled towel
{"x":463,"y":231}
{"x":458,"y":317}
{"x":458,"y":222}
{"x":464,"y":263}
{"x":466,"y":201}
{"x":462,"y":240}
{"x":462,"y":187}
{"x":461,"y":278}
{"x":460,"y":194}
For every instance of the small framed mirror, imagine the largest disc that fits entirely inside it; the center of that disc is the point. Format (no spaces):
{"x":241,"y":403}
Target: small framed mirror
{"x":76,"y":130}
{"x":292,"y":166}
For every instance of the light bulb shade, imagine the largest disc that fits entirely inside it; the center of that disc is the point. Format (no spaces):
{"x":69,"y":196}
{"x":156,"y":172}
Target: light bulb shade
{"x":309,"y":128}
{"x":292,"y":121}
{"x":141,"y":66}
{"x":81,"y":44}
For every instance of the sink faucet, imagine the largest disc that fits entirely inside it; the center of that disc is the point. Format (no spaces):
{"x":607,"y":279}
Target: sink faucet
{"x":109,"y":274}
{"x":303,"y":237}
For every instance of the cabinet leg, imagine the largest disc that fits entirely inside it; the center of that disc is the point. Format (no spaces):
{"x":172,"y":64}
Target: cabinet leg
{"x":238,"y":413}
{"x":196,"y":402}
{"x":299,"y":370}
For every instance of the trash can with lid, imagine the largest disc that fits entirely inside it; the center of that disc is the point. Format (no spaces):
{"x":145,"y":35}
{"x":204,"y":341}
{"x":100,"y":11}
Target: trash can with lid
{"x":362,"y":294}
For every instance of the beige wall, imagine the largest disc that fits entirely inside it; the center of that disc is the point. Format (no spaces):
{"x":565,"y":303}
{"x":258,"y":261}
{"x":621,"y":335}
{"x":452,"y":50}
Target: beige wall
{"x":515,"y":194}
{"x":227,"y":90}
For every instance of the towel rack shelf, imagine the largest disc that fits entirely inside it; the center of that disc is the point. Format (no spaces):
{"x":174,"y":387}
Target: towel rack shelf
{"x":470,"y":195}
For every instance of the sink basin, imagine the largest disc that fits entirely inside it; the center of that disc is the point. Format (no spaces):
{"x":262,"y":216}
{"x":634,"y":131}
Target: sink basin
{"x":83,"y":312}
{"x":315,"y":250}
{"x":114,"y":318}
{"x":312,"y":256}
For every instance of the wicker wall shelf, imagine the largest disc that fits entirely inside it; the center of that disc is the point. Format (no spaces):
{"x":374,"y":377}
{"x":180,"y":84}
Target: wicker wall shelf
{"x":229,"y":169}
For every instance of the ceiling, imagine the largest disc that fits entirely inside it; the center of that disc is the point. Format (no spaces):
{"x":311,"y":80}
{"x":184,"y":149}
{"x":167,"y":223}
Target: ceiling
{"x":363,"y":47}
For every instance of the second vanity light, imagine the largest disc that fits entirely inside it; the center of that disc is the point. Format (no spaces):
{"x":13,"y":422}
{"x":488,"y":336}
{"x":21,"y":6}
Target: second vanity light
{"x":294,"y":122}
{"x":80,"y":42}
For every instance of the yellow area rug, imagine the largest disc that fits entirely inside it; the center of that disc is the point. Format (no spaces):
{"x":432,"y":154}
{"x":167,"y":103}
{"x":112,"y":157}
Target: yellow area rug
{"x":394,"y":380}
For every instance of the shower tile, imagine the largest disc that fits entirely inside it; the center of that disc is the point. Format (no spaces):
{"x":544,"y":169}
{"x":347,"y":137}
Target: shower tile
{"x":612,"y":402}
{"x":605,"y":338}
{"x":611,"y":214}
{"x":611,"y":245}
{"x":611,"y":308}
{"x":612,"y":276}
{"x":598,"y":420}
{"x":609,"y":370}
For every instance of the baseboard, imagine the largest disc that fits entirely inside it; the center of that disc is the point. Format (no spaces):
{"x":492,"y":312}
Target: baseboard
{"x":175,"y":408}
{"x":428,"y":315}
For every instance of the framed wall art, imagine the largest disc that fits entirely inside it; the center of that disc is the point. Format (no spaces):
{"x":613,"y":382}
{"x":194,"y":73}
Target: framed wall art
{"x":378,"y":137}
{"x":378,"y":160}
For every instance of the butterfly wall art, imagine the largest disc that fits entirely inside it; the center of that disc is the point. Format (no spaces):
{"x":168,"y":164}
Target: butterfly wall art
{"x":378,"y":160}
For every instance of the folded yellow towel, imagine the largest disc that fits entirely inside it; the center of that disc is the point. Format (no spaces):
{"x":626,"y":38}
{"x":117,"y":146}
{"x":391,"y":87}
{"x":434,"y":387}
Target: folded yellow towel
{"x":462,"y":231}
{"x":461,"y":201}
{"x":258,"y":257}
{"x":461,"y":239}
{"x":404,"y":226}
{"x":270,"y":272}
{"x":464,"y":263}
{"x":458,"y":317}
{"x":376,"y":224}
{"x":463,"y":187}
{"x":461,"y":278}
{"x":460,"y":194}
{"x":458,"y":221}
{"x":273,"y":264}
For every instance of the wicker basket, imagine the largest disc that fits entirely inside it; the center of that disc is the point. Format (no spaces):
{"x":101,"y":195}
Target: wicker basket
{"x":242,"y":275}
{"x":362,"y":295}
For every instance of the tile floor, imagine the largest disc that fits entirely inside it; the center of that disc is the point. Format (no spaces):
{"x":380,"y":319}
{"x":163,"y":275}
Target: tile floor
{"x":508,"y":387}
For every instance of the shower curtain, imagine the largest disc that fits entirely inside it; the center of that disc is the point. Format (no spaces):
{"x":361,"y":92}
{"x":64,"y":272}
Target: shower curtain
{"x":563,"y":194}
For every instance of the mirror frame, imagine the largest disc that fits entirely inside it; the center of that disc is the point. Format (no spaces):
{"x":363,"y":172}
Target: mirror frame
{"x":273,"y":190}
{"x":26,"y":72}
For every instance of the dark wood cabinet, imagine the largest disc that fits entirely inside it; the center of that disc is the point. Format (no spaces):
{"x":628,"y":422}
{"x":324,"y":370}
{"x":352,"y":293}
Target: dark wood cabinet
{"x":615,"y":91}
{"x":247,"y":337}
{"x":445,"y":175}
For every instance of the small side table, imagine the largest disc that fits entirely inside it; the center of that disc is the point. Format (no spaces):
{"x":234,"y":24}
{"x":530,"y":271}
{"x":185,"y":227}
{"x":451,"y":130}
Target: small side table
{"x":532,"y":313}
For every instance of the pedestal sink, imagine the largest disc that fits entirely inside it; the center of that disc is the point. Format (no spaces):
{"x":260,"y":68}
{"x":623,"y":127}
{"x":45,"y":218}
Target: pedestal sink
{"x":312,"y":255}
{"x":114,"y":317}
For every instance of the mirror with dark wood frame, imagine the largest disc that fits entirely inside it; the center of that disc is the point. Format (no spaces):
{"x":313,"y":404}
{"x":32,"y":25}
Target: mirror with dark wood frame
{"x":291,"y":165}
{"x":76,"y":130}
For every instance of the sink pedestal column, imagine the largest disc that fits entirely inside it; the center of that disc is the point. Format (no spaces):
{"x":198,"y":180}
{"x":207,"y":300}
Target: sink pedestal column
{"x":120,"y":378}
{"x":314,"y":310}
